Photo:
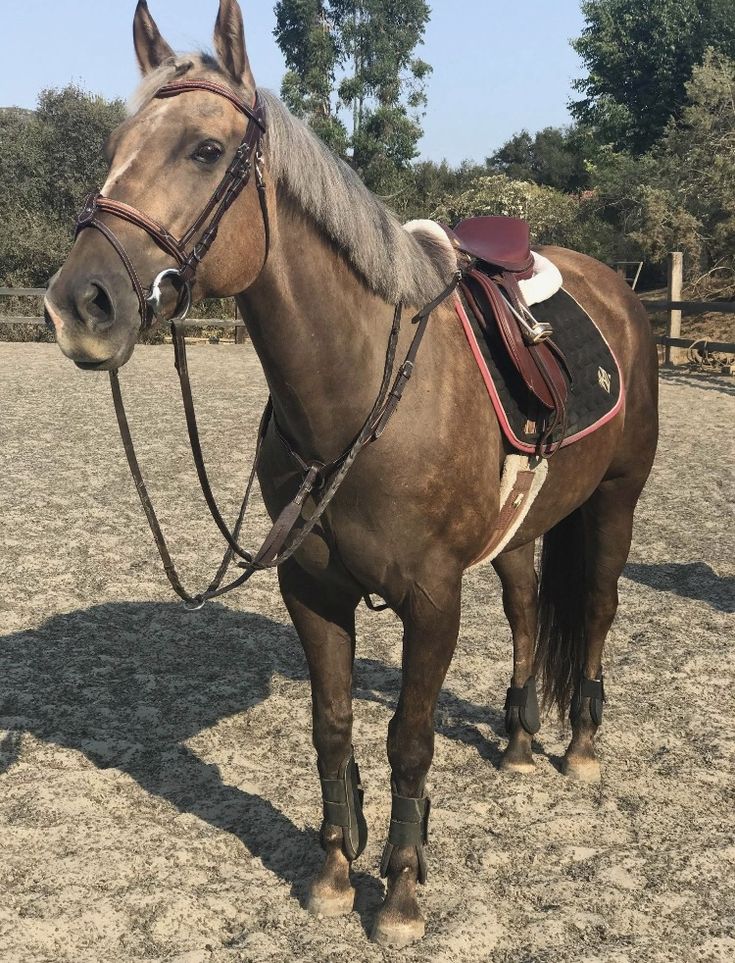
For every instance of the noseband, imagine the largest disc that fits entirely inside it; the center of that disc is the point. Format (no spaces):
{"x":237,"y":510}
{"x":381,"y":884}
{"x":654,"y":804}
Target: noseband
{"x":248,"y":158}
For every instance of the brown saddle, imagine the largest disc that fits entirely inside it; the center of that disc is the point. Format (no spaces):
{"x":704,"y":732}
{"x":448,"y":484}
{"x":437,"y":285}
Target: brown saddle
{"x":499,"y":255}
{"x":503,"y":242}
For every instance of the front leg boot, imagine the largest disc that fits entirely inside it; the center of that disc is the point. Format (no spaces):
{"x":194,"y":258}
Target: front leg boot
{"x":342,"y":798}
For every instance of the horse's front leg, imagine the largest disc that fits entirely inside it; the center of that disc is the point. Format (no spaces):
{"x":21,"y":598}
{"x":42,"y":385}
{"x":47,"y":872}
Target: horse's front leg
{"x":431,"y":625}
{"x":325,"y":621}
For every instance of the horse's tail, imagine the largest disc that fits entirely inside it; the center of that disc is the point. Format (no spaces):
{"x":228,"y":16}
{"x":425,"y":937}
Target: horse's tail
{"x":560,"y":646}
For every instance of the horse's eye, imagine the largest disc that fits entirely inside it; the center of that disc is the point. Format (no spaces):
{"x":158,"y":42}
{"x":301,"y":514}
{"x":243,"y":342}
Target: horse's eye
{"x":208,"y":153}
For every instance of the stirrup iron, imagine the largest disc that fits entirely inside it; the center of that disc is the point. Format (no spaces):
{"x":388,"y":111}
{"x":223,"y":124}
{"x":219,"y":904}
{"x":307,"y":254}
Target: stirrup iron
{"x":533,"y":331}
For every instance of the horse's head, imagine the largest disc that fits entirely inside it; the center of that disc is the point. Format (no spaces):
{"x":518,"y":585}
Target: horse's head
{"x":176,"y":165}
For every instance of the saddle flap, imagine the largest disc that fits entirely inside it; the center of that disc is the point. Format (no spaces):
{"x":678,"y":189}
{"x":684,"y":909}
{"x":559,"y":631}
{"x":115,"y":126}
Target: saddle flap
{"x":504,"y":242}
{"x":537,"y":365}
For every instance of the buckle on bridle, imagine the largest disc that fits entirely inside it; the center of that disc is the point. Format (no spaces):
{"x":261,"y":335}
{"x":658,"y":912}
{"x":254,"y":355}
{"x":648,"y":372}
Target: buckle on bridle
{"x":180,"y":285}
{"x":88,"y":212}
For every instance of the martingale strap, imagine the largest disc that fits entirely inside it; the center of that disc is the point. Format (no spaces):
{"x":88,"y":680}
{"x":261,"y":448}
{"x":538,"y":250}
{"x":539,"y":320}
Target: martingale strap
{"x":290,"y":529}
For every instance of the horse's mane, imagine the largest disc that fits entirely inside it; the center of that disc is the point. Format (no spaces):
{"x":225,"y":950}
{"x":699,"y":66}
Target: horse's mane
{"x":395,"y":264}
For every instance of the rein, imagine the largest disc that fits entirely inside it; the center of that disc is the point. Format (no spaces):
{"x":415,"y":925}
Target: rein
{"x":281,"y":543}
{"x":283,"y":540}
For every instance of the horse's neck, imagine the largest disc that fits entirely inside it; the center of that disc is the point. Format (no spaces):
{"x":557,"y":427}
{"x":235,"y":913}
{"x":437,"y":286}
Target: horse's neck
{"x":321,"y":337}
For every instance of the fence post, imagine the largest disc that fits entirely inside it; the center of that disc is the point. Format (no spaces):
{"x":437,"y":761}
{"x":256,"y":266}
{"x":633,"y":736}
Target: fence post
{"x":673,"y":356}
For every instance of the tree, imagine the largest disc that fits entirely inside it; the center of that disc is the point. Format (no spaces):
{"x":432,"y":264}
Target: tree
{"x":312,"y":55}
{"x":555,"y":218}
{"x":681,"y":195}
{"x":640,"y":55}
{"x":555,"y":157}
{"x":358,"y":56}
{"x":49,"y":161}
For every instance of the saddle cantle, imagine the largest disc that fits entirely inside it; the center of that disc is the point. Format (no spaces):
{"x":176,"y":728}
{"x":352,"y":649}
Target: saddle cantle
{"x":499,"y":255}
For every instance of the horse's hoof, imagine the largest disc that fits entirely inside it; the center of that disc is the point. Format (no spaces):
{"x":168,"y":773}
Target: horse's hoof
{"x":525,"y":766}
{"x":331,"y":903}
{"x":396,"y":934}
{"x":581,"y":769}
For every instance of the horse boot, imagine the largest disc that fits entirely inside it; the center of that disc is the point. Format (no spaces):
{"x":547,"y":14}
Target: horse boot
{"x":343,"y":837}
{"x":399,"y":921}
{"x":522,"y":722}
{"x":585,"y":714}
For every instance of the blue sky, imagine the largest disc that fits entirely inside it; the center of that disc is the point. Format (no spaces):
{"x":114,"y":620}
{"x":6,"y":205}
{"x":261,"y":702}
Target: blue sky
{"x":498,"y":66}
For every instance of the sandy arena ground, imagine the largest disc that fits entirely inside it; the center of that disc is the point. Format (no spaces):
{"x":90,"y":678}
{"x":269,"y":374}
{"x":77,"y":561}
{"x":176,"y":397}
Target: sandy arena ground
{"x":158,"y":793}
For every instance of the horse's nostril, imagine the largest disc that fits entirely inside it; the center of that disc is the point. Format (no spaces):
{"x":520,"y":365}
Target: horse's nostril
{"x":98,"y":309}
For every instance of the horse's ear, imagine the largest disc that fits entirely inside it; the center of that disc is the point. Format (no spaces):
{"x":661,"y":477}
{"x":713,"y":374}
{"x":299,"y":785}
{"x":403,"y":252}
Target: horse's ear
{"x":229,"y":42}
{"x":150,"y":47}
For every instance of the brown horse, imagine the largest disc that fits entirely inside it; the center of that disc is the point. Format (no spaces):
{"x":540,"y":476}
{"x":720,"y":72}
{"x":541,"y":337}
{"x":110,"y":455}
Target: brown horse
{"x":418,"y":507}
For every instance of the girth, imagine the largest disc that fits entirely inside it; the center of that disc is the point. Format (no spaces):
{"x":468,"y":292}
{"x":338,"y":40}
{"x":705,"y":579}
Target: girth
{"x":185,"y":251}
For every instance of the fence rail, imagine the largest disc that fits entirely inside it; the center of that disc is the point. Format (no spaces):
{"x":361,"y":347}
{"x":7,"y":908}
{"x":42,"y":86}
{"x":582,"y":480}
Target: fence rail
{"x":692,"y":307}
{"x":22,"y":292}
{"x":236,"y":323}
{"x":674,"y":345}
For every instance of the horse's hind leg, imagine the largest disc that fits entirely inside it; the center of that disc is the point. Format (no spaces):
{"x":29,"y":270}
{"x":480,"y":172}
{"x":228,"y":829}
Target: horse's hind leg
{"x":325,"y":621}
{"x":520,"y":601}
{"x":431,"y":625}
{"x":608,"y":530}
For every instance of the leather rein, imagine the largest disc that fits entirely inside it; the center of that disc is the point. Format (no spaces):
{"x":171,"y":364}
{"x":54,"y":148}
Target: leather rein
{"x":283,"y":540}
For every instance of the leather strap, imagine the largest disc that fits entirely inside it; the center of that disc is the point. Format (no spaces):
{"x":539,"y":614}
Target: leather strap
{"x":172,"y":90}
{"x":283,"y":541}
{"x":513,"y":506}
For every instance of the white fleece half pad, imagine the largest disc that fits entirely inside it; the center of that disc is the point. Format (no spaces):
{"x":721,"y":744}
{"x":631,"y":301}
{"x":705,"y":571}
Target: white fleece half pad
{"x":544,"y":284}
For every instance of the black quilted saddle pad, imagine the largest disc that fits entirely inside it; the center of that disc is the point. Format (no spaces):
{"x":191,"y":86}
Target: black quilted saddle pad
{"x":595,"y":395}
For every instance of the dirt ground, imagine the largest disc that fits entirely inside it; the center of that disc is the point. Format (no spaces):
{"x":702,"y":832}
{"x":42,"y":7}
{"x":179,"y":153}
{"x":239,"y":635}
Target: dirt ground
{"x":158,"y":793}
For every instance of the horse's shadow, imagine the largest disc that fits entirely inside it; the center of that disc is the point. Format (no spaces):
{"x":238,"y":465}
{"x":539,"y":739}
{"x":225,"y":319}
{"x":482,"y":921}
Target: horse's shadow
{"x":692,"y":580}
{"x":128,"y":684}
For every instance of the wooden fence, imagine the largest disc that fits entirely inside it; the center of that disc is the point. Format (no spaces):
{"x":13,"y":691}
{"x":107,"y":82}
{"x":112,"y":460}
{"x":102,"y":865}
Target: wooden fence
{"x":672,"y":341}
{"x":675,"y":347}
{"x":38,"y":293}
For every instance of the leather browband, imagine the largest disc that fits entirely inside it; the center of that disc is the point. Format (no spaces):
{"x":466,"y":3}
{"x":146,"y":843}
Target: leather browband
{"x":172,"y":90}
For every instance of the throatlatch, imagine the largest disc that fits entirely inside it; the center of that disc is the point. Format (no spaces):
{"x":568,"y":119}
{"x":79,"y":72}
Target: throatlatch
{"x":521,"y":703}
{"x":594,"y":690}
{"x":342,"y":798}
{"x":409,"y":826}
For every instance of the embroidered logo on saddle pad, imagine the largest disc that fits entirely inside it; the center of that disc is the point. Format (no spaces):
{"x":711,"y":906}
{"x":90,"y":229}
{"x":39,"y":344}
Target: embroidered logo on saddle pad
{"x":604,"y":379}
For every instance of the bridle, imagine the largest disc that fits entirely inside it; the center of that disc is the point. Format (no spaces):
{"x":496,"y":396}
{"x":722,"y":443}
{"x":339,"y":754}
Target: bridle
{"x":290,"y":529}
{"x":248,"y":158}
